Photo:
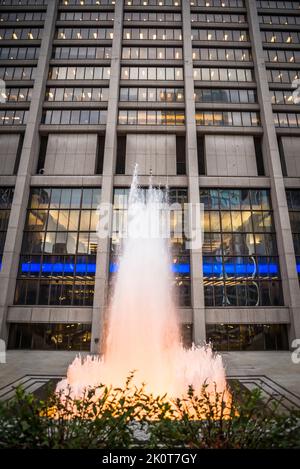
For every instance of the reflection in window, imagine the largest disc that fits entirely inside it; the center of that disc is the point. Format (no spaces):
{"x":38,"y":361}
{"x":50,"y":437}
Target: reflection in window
{"x":74,"y":117}
{"x":180,"y":255}
{"x":230,"y":337}
{"x":228,"y":118}
{"x":58,"y":255}
{"x":150,"y":117}
{"x":77,"y":94}
{"x":240,"y":258}
{"x":6,"y":197}
{"x":219,"y":95}
{"x":53,"y":336}
{"x":17,"y":117}
{"x":164,"y":95}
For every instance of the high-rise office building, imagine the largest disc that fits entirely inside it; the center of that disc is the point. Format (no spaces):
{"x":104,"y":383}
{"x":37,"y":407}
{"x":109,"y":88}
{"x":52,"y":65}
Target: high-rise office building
{"x":204,"y":95}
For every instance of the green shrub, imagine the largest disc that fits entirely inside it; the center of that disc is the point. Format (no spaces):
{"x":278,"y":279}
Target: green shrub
{"x":130,"y":418}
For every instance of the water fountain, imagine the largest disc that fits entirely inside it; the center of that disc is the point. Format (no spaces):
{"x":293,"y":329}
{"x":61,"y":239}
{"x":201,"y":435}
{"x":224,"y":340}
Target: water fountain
{"x":143,"y":333}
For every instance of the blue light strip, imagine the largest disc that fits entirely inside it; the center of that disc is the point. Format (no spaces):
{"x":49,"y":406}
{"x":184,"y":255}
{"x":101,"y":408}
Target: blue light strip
{"x":214,"y":269}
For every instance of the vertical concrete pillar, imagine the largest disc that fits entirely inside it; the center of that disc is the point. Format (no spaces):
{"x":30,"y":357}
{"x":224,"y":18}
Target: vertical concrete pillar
{"x":197,"y":290}
{"x":109,"y":163}
{"x":289,"y":275}
{"x":27,"y":164}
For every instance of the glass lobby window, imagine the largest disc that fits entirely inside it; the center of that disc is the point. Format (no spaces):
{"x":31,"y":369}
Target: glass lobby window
{"x":180,"y":255}
{"x":79,"y":73}
{"x":219,"y":35}
{"x":239,"y":55}
{"x":75,"y":117}
{"x":151,"y":73}
{"x":240,"y":258}
{"x":161,"y":34}
{"x":229,"y":337}
{"x":58,"y":255}
{"x":6,"y":198}
{"x":293,"y":201}
{"x":55,"y":336}
{"x":219,"y":95}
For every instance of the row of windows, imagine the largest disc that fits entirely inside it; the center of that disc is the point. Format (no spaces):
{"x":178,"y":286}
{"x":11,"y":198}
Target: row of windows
{"x":169,"y":95}
{"x":152,"y":53}
{"x":280,"y":36}
{"x":17,"y":117}
{"x":17,"y":94}
{"x":87,"y":2}
{"x":219,"y":35}
{"x":239,"y":55}
{"x":278,"y":4}
{"x":54,"y":336}
{"x":235,"y":199}
{"x":18,"y":33}
{"x":24,"y":2}
{"x":291,"y":56}
{"x":84,"y":33}
{"x":223,"y":74}
{"x":75,"y":117}
{"x":79,"y":73}
{"x":161,"y":34}
{"x":282,"y":97}
{"x":218,"y":3}
{"x":19,"y":53}
{"x":229,"y":337}
{"x":282,"y":76}
{"x":77,"y":94}
{"x":151,"y":117}
{"x":217,"y":18}
{"x":86,"y":16}
{"x":282,"y":119}
{"x":226,"y":118}
{"x":22,"y":16}
{"x":293,"y":201}
{"x":165,"y":17}
{"x":278,"y":19}
{"x":164,"y":3}
{"x":225,"y":96}
{"x":81,"y":53}
{"x":151,"y":73}
{"x":17,"y":73}
{"x":230,"y":244}
{"x":6,"y":197}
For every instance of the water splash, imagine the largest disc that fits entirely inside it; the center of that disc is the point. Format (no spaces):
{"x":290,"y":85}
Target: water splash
{"x":143,"y":333}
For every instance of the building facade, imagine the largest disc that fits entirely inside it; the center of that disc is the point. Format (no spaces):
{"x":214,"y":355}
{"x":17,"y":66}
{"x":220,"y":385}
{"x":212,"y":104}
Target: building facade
{"x":202,"y":94}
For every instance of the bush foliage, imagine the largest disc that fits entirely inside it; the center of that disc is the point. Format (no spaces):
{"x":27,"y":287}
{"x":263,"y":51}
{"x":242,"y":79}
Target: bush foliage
{"x":131,"y":418}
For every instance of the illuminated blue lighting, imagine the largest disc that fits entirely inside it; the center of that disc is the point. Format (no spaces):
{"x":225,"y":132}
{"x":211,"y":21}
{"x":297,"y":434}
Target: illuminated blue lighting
{"x":209,"y":269}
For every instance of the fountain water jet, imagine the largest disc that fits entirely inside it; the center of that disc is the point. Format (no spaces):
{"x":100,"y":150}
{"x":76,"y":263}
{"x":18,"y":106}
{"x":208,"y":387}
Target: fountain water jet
{"x":143,"y":333}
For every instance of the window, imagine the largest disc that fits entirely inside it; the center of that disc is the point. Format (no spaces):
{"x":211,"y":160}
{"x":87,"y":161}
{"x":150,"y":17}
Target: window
{"x":151,"y":73}
{"x":6,"y":198}
{"x":220,"y":35}
{"x":293,"y":200}
{"x":180,"y":255}
{"x":227,"y":118}
{"x":53,"y":336}
{"x":81,"y":52}
{"x":17,"y":117}
{"x":240,"y":258}
{"x":230,"y":337}
{"x":153,"y":53}
{"x":161,"y":34}
{"x":74,"y":117}
{"x":153,"y":117}
{"x":58,"y":255}
{"x":79,"y":73}
{"x":84,"y":33}
{"x":223,"y":74}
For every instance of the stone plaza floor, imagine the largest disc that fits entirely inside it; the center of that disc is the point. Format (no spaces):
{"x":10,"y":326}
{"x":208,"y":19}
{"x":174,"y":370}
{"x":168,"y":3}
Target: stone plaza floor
{"x":273,"y":372}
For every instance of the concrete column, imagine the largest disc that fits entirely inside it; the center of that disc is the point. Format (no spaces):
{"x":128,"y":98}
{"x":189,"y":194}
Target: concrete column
{"x":197,"y":290}
{"x":109,"y":163}
{"x":27,"y":164}
{"x":289,"y":275}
